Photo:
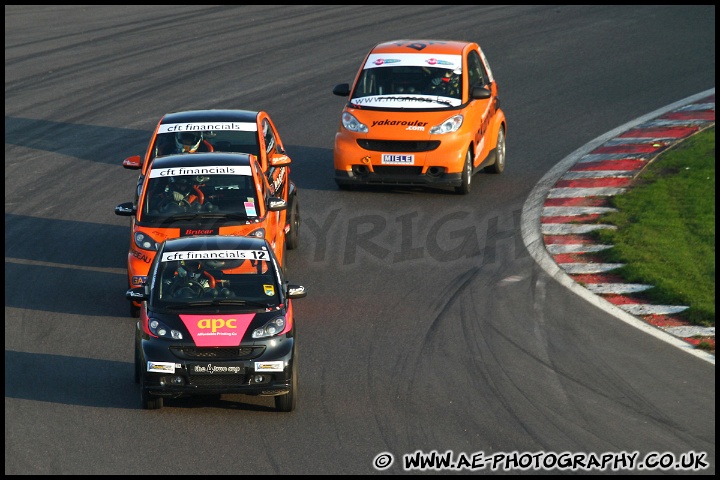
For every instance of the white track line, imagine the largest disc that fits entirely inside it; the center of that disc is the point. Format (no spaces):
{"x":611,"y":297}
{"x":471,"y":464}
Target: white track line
{"x":532,"y":229}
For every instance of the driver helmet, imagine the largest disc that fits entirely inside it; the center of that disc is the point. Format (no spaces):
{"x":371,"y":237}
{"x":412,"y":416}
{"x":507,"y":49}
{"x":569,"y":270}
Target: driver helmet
{"x":452,"y":77}
{"x":192,"y":267}
{"x":188,"y":142}
{"x":448,"y":78}
{"x":180,"y":183}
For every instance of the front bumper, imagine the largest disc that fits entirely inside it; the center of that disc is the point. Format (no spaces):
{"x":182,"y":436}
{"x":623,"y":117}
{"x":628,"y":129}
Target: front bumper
{"x":435,"y":163}
{"x":400,"y":176}
{"x":179,"y":372}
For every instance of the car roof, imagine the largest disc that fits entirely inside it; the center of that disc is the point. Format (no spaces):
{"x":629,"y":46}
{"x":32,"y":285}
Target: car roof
{"x":215,"y":242}
{"x":195,"y":116}
{"x":201,"y":160}
{"x":439,"y":47}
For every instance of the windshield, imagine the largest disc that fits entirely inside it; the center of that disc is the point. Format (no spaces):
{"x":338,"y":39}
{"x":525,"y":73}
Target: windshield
{"x":234,"y":137}
{"x":411,"y":81}
{"x":217,"y":190}
{"x":216,"y":277}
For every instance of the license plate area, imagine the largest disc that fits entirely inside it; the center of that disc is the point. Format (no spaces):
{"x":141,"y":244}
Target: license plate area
{"x":220,"y":368}
{"x":397,"y":159}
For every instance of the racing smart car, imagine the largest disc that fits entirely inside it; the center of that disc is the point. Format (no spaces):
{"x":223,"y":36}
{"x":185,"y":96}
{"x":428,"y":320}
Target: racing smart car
{"x":420,"y":113}
{"x":242,"y":131}
{"x":217,"y":317}
{"x":202,"y":194}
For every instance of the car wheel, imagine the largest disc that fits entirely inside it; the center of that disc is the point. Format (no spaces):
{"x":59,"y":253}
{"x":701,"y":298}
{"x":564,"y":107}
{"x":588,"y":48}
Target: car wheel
{"x":293,"y":236}
{"x":286,"y":402}
{"x":149,"y":402}
{"x":466,"y":178}
{"x":499,"y":164}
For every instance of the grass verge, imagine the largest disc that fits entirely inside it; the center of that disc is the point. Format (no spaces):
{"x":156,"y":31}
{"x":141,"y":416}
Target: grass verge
{"x":666,"y":229}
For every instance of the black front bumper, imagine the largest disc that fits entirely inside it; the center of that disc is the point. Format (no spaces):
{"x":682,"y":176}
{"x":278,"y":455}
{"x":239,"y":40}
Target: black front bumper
{"x":217,"y":376}
{"x":400,"y":177}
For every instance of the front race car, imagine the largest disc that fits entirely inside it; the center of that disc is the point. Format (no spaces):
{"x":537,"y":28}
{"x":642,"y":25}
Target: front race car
{"x":216,"y":321}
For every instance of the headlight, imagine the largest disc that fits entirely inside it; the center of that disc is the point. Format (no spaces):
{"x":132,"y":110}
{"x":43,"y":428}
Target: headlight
{"x":352,"y":123}
{"x":270,"y":329}
{"x":161,"y":330}
{"x":145,"y":241}
{"x":259,"y":233}
{"x":450,"y":125}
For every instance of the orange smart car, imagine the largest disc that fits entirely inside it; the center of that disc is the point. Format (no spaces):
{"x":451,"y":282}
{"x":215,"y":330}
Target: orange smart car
{"x":224,"y":130}
{"x":420,"y":113}
{"x":201,"y":194}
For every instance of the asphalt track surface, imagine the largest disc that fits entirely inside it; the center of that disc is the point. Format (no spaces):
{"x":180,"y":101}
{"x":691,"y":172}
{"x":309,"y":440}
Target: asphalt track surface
{"x":428,"y":325}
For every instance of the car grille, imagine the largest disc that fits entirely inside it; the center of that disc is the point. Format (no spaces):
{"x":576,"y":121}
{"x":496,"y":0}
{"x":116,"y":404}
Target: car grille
{"x":217,"y":353}
{"x":396,"y":170}
{"x":218,"y":380}
{"x":398,"y":145}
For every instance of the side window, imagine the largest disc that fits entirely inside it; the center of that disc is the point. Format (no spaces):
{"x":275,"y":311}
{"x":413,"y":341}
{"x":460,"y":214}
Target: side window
{"x":269,"y":137}
{"x":265,"y":190}
{"x":476,"y":71}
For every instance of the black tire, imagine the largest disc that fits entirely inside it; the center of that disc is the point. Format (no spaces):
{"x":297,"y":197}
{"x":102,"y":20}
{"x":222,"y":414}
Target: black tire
{"x":293,"y":236}
{"x":148,"y":402}
{"x":499,"y":164}
{"x":287,"y":401}
{"x":466,"y":178}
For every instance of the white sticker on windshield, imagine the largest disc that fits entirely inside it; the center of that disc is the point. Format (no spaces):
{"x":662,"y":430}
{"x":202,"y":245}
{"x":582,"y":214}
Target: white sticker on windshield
{"x":377,"y":60}
{"x":216,"y":255}
{"x":209,"y":170}
{"x":199,"y":127}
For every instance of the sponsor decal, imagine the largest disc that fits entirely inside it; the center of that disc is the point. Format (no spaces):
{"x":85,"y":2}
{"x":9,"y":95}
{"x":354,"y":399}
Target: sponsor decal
{"x":393,"y":159}
{"x":269,"y":366}
{"x":135,"y":294}
{"x":198,"y":231}
{"x":269,"y":290}
{"x":385,"y":61}
{"x":217,"y":330}
{"x":250,"y":208}
{"x":196,"y":171}
{"x":140,"y":256}
{"x":198,"y":127}
{"x":211,"y":369}
{"x":407,"y":101}
{"x":435,"y":61}
{"x":161,"y":367}
{"x":413,"y":59}
{"x":419,"y":45}
{"x":216,"y":255}
{"x":398,"y":123}
{"x":278,"y":180}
